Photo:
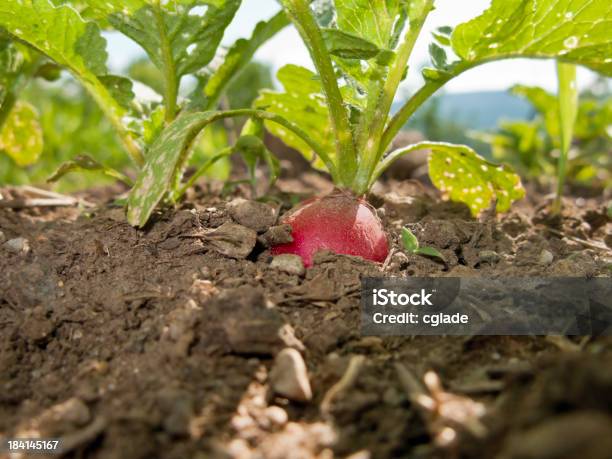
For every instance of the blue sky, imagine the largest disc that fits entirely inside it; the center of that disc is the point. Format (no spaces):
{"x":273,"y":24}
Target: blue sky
{"x":287,"y":48}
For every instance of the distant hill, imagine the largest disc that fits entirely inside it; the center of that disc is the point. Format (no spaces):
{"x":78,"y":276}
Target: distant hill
{"x":481,"y":110}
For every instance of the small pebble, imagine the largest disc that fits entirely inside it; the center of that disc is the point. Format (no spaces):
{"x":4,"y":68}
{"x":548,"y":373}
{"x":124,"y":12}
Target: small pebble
{"x":17,"y":245}
{"x":546,"y":257}
{"x":488,"y":256}
{"x":289,"y":377}
{"x":289,"y":263}
{"x":2,"y":237}
{"x":277,"y":415}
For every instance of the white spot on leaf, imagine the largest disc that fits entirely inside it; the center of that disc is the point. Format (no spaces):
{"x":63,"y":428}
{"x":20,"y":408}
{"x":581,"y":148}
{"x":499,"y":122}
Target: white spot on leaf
{"x":571,"y":42}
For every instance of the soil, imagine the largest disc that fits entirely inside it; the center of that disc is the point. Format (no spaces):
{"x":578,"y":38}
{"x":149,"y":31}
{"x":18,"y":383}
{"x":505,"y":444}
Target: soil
{"x":160,"y":342}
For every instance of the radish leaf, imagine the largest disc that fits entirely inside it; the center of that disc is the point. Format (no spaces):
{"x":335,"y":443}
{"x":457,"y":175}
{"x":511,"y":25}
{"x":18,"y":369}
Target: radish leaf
{"x":378,"y":25}
{"x":573,"y":31}
{"x":377,"y":21}
{"x":183,"y":35}
{"x":21,"y":136}
{"x":464,"y":176}
{"x":11,"y":64}
{"x":345,"y":45}
{"x":240,"y":54}
{"x":61,"y":34}
{"x":156,"y":175}
{"x":180,"y":37}
{"x":302,"y":103}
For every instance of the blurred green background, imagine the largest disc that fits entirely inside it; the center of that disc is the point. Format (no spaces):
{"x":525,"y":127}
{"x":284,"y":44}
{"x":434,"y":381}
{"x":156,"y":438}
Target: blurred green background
{"x":72,"y":124}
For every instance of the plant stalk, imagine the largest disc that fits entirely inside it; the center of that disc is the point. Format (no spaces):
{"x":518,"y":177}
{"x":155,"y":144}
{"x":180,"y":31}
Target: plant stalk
{"x":381,"y":113}
{"x":300,"y":14}
{"x":207,"y":164}
{"x":403,"y":115}
{"x":568,"y":109}
{"x":171,"y":82}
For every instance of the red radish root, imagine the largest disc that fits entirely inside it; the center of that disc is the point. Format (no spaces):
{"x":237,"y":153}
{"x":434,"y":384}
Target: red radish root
{"x":338,"y":222}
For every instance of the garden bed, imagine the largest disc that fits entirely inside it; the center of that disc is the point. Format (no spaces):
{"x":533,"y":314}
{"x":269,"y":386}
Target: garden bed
{"x":135,"y":343}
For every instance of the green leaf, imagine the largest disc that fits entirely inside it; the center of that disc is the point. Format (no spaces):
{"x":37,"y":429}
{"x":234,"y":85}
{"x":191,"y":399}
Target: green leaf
{"x":57,"y":32}
{"x":376,"y":21}
{"x":379,"y":24}
{"x":575,"y":31}
{"x":302,"y":103}
{"x":153,"y":125}
{"x":87,"y":163}
{"x":21,"y":136}
{"x":11,"y":62}
{"x":409,"y":240}
{"x":62,"y":35}
{"x":443,"y":35}
{"x":430,"y":252}
{"x":167,"y":151}
{"x":240,"y":54}
{"x":175,"y":34}
{"x":345,"y":45}
{"x":120,"y":88}
{"x":438,"y":56}
{"x":545,"y":103}
{"x":464,"y":176}
{"x":171,"y":149}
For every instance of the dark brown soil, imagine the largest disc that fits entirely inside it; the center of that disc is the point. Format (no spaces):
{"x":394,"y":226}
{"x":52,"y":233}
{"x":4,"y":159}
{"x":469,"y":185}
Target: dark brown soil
{"x":150,"y":343}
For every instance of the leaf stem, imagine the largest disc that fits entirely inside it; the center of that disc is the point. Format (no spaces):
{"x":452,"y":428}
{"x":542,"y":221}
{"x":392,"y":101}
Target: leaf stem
{"x":403,"y":115}
{"x":171,"y":82}
{"x":300,"y":14}
{"x":264,"y":116}
{"x":203,"y":168}
{"x":396,"y":154}
{"x":568,"y":107}
{"x":372,"y":146}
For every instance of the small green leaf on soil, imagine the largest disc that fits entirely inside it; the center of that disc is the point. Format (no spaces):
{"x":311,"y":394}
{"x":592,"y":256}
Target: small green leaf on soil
{"x":430,"y":252}
{"x":409,"y":240}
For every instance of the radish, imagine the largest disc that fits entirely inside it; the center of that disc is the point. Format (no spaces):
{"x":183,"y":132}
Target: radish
{"x":338,"y":222}
{"x":339,"y":118}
